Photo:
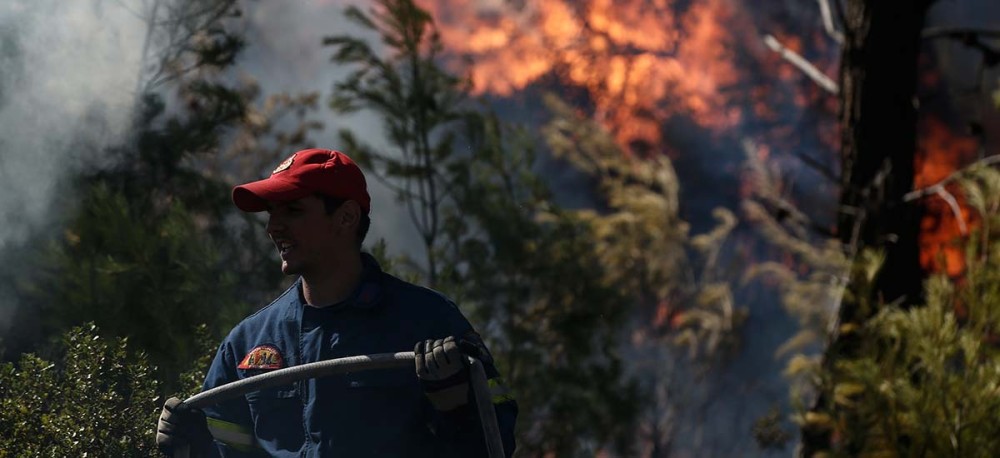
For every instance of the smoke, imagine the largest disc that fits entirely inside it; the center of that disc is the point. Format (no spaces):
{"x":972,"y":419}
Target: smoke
{"x":68,"y":76}
{"x":68,"y":73}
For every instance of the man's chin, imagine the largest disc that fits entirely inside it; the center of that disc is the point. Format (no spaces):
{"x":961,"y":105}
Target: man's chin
{"x":288,"y":269}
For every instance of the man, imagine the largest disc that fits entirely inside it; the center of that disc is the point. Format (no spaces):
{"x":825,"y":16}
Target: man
{"x":342,"y":304}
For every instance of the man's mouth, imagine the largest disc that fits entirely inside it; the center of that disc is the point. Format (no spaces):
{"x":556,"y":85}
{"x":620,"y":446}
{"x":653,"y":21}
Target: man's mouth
{"x":283,"y":246}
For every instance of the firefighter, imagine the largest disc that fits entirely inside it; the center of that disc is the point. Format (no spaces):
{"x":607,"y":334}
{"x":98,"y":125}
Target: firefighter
{"x":342,"y":304}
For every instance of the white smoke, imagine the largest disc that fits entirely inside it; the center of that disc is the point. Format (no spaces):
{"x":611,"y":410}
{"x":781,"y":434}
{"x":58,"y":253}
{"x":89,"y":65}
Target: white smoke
{"x":70,"y":72}
{"x":68,"y":77}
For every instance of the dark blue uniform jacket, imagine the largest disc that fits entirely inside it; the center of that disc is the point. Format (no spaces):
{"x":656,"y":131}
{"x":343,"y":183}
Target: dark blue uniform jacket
{"x":380,"y":413}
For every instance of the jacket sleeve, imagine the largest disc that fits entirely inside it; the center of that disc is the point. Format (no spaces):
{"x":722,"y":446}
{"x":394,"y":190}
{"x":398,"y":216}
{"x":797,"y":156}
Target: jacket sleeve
{"x":461,"y":428}
{"x":229,"y":421}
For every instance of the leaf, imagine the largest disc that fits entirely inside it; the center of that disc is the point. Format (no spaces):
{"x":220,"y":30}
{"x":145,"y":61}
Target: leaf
{"x":849,"y":328}
{"x":818,"y":420}
{"x":800,"y":365}
{"x":844,"y":393}
{"x":800,"y":340}
{"x":355,"y":14}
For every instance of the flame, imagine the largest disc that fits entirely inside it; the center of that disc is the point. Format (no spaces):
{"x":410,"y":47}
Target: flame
{"x":638,"y":62}
{"x":666,"y":316}
{"x":940,"y":153}
{"x":641,"y":63}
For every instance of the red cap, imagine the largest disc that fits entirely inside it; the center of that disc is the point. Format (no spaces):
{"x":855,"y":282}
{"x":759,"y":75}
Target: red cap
{"x":307,"y":172}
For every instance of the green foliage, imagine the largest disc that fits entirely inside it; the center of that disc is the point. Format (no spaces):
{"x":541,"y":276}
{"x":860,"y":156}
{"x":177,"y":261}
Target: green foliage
{"x":923,"y":381}
{"x":100,"y":398}
{"x":645,"y":245}
{"x":768,"y":433}
{"x":135,"y":272}
{"x":419,"y":104}
{"x":151,"y":246}
{"x":811,"y":280}
{"x":149,"y":249}
{"x":528,"y":271}
{"x":674,"y":287}
{"x":525,"y":270}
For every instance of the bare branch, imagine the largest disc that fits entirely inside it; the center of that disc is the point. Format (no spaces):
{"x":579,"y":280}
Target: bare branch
{"x":940,"y":190}
{"x":818,"y":166}
{"x":141,"y":83}
{"x":802,"y":64}
{"x":955,"y":209}
{"x":933,"y":189}
{"x":777,"y":207}
{"x":824,"y":11}
{"x":842,"y":18}
{"x":876,"y":187}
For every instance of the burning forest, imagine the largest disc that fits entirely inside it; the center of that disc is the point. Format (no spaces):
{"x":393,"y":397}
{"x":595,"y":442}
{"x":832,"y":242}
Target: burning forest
{"x":682,"y":227}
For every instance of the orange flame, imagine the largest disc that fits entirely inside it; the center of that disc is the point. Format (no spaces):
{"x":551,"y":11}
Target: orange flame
{"x":940,"y":153}
{"x":640,"y":62}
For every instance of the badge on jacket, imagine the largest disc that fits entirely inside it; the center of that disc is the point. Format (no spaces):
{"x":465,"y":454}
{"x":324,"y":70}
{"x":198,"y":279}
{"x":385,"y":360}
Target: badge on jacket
{"x":263,"y":357}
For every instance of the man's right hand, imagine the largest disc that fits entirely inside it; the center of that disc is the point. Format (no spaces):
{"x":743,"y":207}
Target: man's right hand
{"x":182,"y":425}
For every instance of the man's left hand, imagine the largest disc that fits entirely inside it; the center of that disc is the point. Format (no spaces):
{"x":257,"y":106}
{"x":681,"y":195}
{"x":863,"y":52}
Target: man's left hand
{"x":443,"y":373}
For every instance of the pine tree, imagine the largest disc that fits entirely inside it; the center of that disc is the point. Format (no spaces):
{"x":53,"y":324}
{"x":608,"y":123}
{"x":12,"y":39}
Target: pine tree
{"x":681,"y":312}
{"x":149,"y":245}
{"x":924,"y":380}
{"x":523,"y":269}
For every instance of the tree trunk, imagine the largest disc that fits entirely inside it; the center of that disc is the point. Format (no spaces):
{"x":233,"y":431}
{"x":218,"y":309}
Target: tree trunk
{"x":878,"y":115}
{"x":879,"y":138}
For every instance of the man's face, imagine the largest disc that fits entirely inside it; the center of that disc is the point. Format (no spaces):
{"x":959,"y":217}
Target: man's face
{"x":305,"y":236}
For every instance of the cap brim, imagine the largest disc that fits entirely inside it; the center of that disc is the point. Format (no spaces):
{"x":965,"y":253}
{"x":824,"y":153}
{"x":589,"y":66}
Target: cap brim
{"x":254,"y":197}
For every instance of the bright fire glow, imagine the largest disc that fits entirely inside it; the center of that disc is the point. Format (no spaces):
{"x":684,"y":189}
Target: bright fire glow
{"x":640,"y":62}
{"x":941,"y":152}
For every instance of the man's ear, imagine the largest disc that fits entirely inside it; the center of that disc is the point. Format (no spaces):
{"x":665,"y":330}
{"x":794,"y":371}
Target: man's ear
{"x":350,"y":215}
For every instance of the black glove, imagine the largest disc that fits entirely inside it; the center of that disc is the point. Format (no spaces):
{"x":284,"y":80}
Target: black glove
{"x":181,"y":424}
{"x":443,"y":373}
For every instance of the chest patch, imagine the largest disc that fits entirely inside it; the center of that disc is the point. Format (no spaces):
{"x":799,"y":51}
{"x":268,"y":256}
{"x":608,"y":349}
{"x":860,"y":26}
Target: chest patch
{"x":263,"y":357}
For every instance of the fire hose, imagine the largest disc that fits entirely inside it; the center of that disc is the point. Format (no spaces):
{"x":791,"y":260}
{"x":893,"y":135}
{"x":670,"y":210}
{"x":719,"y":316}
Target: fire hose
{"x":477,"y":380}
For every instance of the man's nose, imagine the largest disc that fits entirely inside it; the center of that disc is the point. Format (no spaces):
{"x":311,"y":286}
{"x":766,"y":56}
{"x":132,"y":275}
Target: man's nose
{"x":274,"y":224}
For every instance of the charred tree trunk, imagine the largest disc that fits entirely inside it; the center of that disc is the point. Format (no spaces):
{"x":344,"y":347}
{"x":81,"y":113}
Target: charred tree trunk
{"x":878,"y":116}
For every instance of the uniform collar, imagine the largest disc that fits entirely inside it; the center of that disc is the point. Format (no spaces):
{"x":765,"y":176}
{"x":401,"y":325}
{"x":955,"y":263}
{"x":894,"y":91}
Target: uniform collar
{"x":369,"y":292}
{"x":367,"y":295}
